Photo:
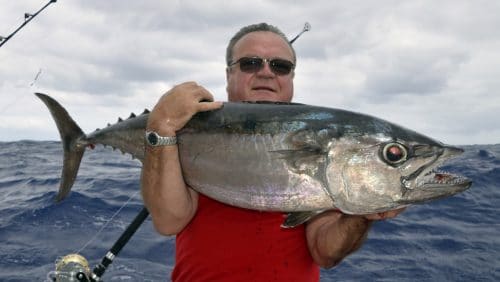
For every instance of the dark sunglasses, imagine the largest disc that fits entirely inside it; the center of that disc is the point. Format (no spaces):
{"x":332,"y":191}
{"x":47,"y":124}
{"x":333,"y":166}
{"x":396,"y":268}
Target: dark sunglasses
{"x":255,"y":64}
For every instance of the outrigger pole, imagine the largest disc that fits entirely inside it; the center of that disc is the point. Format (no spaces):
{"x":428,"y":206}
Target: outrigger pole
{"x":27,"y":18}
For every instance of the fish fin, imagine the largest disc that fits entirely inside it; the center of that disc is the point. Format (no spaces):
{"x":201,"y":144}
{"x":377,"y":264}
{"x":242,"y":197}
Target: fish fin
{"x":73,"y":141}
{"x":301,"y":160}
{"x":309,"y":149}
{"x":313,"y":138}
{"x":295,"y":219}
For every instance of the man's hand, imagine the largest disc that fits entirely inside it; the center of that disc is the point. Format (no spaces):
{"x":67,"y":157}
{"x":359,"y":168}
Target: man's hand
{"x":332,"y":235}
{"x":384,"y":215}
{"x":176,"y":107}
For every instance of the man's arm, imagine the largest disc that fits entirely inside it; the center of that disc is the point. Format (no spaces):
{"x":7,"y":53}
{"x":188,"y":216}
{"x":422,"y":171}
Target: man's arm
{"x":171,"y":203}
{"x":331,"y":236}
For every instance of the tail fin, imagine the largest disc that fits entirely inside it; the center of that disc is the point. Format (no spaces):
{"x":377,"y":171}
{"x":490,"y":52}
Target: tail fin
{"x":71,"y":134}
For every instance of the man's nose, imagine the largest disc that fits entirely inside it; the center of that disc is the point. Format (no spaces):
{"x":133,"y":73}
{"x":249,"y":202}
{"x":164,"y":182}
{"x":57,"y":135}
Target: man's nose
{"x":266,"y":70}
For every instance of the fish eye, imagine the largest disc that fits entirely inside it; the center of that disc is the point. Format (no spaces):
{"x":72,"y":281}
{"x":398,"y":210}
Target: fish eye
{"x":394,"y":153}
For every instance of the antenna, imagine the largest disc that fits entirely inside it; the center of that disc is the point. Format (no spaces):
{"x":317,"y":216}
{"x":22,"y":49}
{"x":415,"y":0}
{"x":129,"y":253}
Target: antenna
{"x":307,"y":27}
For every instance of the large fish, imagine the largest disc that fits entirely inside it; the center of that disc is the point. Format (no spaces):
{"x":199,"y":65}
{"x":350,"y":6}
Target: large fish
{"x":286,"y":157}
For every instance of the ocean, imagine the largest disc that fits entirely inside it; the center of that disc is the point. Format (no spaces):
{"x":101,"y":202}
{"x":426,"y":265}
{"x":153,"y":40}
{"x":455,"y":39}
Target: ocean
{"x":453,"y":239}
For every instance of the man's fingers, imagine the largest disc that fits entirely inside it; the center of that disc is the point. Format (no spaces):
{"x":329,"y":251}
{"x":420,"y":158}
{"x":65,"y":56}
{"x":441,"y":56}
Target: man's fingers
{"x":384,"y":215}
{"x":209,"y":106}
{"x":202,"y":95}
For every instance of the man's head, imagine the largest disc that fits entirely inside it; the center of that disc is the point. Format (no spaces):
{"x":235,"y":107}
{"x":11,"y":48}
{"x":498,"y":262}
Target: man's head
{"x":247,"y":82}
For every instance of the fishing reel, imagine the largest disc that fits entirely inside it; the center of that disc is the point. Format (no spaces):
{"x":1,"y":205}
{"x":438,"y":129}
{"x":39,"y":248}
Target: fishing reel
{"x":72,"y":267}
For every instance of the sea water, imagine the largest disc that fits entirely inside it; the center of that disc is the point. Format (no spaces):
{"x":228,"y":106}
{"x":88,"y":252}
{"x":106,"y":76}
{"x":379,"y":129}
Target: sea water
{"x":453,"y":239}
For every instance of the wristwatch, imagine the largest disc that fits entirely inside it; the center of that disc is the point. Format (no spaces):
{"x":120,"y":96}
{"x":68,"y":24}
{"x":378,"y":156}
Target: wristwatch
{"x":154,"y":139}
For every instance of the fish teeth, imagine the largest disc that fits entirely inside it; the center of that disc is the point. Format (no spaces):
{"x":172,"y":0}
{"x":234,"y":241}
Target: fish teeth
{"x":432,"y":177}
{"x":437,"y":171}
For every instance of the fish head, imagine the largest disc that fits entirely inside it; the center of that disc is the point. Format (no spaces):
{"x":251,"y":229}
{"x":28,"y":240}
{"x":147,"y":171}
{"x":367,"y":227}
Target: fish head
{"x":371,"y":174}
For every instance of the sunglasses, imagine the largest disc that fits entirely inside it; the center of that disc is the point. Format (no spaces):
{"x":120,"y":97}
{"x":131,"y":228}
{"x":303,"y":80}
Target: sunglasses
{"x":255,"y":64}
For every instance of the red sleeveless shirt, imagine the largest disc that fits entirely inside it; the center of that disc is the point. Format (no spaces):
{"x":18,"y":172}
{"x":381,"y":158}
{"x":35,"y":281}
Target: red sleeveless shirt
{"x":224,"y":243}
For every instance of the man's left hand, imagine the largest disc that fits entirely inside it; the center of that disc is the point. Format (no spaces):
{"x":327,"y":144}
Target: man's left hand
{"x":384,"y":215}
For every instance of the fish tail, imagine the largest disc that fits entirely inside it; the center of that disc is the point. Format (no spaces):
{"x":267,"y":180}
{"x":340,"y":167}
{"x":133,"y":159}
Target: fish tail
{"x":73,"y":140}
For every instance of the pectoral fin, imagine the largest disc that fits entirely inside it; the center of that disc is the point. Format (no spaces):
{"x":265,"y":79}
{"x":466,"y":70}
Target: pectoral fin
{"x":295,"y":219}
{"x":308,"y":150}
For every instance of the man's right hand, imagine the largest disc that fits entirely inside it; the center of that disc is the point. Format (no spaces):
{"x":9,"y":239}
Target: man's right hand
{"x":176,"y":107}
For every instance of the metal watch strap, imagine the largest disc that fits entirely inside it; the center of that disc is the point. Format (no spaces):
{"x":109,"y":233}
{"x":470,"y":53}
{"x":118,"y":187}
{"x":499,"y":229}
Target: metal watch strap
{"x":154,"y":139}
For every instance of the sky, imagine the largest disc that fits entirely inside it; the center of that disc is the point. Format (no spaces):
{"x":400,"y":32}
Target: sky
{"x":432,"y":66}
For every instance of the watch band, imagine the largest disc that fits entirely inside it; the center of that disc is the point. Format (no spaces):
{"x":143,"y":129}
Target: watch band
{"x":154,"y":139}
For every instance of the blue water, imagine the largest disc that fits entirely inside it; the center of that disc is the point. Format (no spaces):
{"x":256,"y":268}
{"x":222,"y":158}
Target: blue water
{"x":454,"y":239}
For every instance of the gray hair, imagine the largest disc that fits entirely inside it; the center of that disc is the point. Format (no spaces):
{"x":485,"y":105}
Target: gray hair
{"x":253,"y":28}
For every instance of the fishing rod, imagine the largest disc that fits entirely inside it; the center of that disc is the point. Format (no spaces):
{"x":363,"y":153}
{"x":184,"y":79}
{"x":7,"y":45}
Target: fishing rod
{"x":119,"y":244}
{"x":74,"y":267}
{"x":307,"y":27}
{"x":27,"y":18}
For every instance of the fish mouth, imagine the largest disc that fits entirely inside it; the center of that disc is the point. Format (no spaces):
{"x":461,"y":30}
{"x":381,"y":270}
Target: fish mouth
{"x":429,"y":182}
{"x":436,"y":179}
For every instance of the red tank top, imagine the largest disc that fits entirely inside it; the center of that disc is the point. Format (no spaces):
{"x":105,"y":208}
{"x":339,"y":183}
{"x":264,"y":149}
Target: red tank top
{"x":224,"y":243}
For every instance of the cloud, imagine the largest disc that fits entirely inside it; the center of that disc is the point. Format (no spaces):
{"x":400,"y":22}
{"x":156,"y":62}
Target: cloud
{"x":431,"y":66}
{"x":410,"y":71}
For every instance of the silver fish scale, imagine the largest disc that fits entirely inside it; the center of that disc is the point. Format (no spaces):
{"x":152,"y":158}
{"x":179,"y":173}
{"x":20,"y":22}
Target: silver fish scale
{"x":247,"y":170}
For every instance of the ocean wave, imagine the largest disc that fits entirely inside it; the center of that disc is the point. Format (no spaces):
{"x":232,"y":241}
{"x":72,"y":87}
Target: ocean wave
{"x":453,"y":239}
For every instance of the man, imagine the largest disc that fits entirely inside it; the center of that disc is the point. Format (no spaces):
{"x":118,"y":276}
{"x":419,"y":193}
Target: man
{"x":216,"y":242}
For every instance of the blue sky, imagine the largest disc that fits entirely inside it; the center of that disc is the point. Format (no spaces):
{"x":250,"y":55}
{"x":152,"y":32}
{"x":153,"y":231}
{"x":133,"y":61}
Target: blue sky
{"x":432,"y":66}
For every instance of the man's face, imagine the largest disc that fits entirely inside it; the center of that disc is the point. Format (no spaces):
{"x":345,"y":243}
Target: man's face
{"x":263,"y":85}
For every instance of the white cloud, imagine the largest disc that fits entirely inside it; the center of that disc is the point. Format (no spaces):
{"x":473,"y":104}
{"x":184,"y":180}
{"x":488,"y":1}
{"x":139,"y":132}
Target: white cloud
{"x":431,"y":66}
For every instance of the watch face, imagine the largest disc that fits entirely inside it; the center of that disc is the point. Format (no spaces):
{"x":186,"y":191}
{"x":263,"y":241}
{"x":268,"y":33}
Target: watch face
{"x":152,"y":138}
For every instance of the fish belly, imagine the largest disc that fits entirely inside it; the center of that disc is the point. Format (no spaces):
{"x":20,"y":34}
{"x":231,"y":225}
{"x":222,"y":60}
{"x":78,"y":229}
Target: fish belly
{"x":247,"y":171}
